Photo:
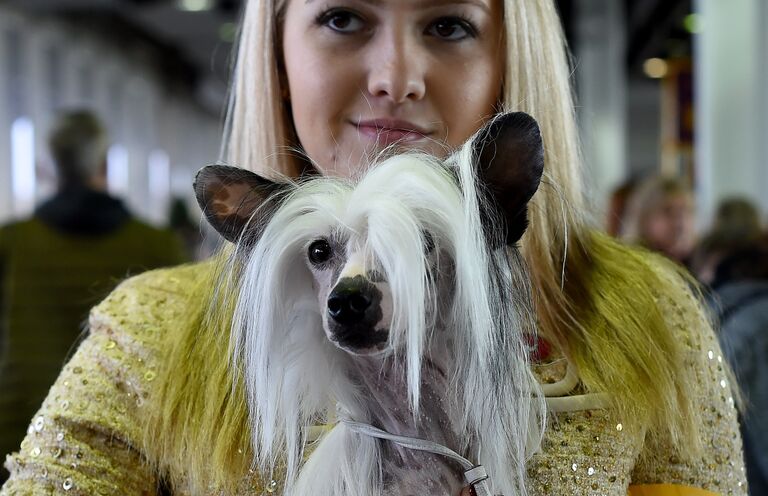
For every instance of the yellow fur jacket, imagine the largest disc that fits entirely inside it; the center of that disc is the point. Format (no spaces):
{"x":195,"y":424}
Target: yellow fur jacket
{"x":85,"y":439}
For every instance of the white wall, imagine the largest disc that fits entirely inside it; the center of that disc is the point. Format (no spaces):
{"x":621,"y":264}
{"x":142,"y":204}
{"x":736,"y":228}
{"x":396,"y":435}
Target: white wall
{"x":142,"y":113}
{"x":602,"y":100}
{"x":732,"y":127}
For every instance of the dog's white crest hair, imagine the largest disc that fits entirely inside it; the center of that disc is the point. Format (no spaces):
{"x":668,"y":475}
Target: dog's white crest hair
{"x":294,"y":376}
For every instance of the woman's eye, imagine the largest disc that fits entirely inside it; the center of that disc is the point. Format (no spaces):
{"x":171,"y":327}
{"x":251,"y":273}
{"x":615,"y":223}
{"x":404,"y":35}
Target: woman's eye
{"x":452,"y":29}
{"x":341,"y":21}
{"x":319,"y":252}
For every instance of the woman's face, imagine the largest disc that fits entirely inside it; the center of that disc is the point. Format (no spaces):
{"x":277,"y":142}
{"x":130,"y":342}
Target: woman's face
{"x":364,"y":74}
{"x":670,"y":227}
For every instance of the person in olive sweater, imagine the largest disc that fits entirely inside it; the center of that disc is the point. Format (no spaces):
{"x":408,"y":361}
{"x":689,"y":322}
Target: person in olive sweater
{"x":57,"y":264}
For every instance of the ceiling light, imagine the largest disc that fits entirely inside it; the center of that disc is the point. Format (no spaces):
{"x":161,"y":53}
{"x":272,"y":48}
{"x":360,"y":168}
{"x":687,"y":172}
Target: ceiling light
{"x":655,"y":68}
{"x":194,"y":5}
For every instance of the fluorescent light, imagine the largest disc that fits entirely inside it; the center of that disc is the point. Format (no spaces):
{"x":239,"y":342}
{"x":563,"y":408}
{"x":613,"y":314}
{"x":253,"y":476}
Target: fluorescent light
{"x":159,"y":176}
{"x":23,"y":165}
{"x":655,"y":68}
{"x":117,"y":170}
{"x":194,"y":5}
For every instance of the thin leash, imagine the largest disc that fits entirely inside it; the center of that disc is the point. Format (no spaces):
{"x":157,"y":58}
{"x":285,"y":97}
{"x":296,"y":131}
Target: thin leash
{"x":474,"y":475}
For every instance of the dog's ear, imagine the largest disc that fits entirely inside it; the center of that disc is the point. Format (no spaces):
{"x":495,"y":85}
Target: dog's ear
{"x":510,"y":161}
{"x":233,"y":199}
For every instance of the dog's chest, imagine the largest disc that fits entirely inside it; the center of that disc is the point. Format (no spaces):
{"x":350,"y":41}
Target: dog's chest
{"x":409,"y":472}
{"x":420,"y":474}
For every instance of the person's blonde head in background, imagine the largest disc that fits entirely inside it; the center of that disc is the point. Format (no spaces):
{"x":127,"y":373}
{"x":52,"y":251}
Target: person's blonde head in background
{"x":78,"y":142}
{"x":661,"y":217}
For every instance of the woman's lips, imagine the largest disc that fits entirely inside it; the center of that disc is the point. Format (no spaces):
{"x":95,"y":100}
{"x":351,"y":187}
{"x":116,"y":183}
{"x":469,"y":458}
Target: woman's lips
{"x":386,"y":134}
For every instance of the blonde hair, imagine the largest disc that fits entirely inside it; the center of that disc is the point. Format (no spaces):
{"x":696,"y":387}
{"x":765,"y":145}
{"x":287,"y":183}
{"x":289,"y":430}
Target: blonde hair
{"x":595,"y":298}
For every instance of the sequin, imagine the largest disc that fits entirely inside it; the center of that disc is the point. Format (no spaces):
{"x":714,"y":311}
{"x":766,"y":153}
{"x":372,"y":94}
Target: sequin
{"x":605,"y":457}
{"x":619,"y":427}
{"x":723,"y":383}
{"x":67,"y":484}
{"x":149,"y":376}
{"x":77,"y":370}
{"x":35,"y":452}
{"x":574,"y":467}
{"x":711,"y":354}
{"x":39,"y":424}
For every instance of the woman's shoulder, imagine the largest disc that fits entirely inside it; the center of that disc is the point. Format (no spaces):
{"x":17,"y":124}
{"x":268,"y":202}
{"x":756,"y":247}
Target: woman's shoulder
{"x":148,"y":305}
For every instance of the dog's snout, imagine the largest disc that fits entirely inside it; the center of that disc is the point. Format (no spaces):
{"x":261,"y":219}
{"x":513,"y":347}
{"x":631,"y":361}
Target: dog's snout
{"x":348,"y":307}
{"x":350,"y":300}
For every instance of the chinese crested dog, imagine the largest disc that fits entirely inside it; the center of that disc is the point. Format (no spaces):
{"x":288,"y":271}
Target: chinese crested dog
{"x":397,"y":302}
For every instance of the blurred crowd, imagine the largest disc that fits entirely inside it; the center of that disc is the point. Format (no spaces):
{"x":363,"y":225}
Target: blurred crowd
{"x":729,"y":262}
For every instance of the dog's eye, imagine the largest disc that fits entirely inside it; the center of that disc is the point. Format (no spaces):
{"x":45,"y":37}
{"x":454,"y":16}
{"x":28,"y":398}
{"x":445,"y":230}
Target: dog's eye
{"x":319,"y":252}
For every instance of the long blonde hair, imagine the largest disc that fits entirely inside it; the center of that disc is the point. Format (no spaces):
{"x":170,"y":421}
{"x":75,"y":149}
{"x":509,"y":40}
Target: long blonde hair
{"x":595,"y":298}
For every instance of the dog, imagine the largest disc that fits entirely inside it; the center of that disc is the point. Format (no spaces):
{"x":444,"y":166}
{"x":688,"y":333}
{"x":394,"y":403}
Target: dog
{"x":397,"y":302}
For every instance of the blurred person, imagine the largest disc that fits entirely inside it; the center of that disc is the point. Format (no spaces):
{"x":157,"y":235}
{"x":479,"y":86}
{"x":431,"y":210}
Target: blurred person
{"x":57,"y":264}
{"x":190,"y":233}
{"x":739,"y":301}
{"x":739,"y":218}
{"x":661,"y":217}
{"x":617,"y":208}
{"x":736,"y":224}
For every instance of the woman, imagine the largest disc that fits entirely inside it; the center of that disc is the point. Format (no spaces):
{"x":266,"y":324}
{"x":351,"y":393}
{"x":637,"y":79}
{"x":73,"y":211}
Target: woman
{"x":634,"y":395}
{"x":661,"y":217}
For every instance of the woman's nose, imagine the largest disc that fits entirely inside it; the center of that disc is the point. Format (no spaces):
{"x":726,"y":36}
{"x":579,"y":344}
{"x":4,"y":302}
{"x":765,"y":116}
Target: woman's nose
{"x":397,"y":69}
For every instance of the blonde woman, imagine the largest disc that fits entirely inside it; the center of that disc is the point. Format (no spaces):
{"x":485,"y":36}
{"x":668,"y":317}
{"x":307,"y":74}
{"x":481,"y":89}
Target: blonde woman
{"x":638,"y":395}
{"x":661,"y":216}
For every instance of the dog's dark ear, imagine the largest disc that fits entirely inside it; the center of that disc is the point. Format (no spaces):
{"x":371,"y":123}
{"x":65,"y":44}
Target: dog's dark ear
{"x":233,"y":199}
{"x":510,"y":161}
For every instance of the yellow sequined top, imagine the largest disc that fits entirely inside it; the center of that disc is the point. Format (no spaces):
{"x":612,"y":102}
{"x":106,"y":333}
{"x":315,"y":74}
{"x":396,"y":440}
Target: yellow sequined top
{"x":84,"y":439}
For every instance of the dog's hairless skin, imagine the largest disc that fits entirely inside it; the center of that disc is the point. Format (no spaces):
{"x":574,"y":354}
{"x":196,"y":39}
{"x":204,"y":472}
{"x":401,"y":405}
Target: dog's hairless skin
{"x":405,"y":469}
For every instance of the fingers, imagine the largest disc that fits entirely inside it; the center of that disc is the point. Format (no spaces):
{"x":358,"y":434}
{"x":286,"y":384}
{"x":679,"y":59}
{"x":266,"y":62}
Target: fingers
{"x":467,"y":491}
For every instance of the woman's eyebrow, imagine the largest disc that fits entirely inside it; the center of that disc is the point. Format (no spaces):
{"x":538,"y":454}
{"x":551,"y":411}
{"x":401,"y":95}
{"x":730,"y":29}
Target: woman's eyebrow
{"x":422,"y":4}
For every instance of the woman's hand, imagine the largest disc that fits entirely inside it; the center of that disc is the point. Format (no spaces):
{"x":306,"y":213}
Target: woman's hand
{"x":467,"y":491}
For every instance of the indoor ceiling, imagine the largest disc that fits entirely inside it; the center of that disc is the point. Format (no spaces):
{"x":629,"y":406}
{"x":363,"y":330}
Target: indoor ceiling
{"x":191,"y":48}
{"x":194,"y":46}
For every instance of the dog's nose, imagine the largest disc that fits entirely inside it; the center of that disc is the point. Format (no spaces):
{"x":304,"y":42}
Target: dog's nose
{"x":349,"y":301}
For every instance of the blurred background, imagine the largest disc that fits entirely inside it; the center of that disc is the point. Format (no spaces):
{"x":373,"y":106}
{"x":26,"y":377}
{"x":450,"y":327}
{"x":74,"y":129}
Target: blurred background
{"x":672,"y":100}
{"x":664,"y":86}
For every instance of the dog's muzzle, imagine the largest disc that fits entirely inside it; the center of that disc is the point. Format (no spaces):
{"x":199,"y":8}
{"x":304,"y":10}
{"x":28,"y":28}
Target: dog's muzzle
{"x":354,"y":308}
